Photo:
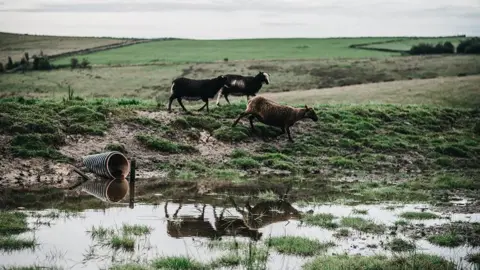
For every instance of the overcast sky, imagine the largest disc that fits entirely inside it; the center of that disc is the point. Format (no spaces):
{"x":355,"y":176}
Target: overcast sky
{"x":216,"y":19}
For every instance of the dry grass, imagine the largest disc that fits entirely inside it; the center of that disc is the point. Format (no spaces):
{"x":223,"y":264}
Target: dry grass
{"x":16,"y":45}
{"x":147,"y":82}
{"x":445,"y":91}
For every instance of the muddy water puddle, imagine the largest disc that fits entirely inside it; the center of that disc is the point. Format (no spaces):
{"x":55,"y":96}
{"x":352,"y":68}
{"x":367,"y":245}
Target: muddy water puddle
{"x":73,"y":241}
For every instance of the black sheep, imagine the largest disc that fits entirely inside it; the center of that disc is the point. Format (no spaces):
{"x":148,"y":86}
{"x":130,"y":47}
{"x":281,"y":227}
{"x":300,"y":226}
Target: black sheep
{"x":190,"y":89}
{"x":238,"y":85}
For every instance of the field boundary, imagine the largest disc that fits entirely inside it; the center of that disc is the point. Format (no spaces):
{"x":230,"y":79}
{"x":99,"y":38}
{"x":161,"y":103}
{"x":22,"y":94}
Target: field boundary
{"x":362,"y":46}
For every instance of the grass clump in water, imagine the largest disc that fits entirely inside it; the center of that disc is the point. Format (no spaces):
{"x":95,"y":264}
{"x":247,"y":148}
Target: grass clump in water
{"x":474,"y":258}
{"x":12,"y":223}
{"x":122,"y":242}
{"x":322,"y":220}
{"x":163,"y":145}
{"x":177,"y":263}
{"x":343,"y":232}
{"x":100,"y":232}
{"x":130,"y":266}
{"x":417,"y":261}
{"x":295,"y":245}
{"x":402,"y":222}
{"x":12,"y":243}
{"x":227,"y":260}
{"x":449,"y":239}
{"x":362,"y":225}
{"x":400,"y":245}
{"x":419,"y":215}
{"x":136,"y":230}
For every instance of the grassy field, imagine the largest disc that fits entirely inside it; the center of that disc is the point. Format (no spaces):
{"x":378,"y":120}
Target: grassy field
{"x":15,"y":45}
{"x":444,"y":91}
{"x":216,"y":50}
{"x":406,"y":44}
{"x":150,"y":82}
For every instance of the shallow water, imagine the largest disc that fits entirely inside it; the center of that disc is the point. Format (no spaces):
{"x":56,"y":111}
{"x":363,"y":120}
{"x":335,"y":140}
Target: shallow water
{"x":66,"y":242}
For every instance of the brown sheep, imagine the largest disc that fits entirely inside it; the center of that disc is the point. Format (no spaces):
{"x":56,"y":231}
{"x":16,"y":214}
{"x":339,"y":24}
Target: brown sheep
{"x":274,"y":114}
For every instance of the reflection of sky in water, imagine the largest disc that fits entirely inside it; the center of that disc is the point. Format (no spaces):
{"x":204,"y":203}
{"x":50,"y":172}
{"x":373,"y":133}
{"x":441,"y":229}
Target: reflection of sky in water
{"x":69,"y":236}
{"x":240,"y":19}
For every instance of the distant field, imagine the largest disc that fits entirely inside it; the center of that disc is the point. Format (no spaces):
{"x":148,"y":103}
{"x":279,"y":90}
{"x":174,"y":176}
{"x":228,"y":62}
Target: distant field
{"x":406,"y":44}
{"x":445,"y":91}
{"x":181,"y":51}
{"x":151,"y":81}
{"x":15,"y":45}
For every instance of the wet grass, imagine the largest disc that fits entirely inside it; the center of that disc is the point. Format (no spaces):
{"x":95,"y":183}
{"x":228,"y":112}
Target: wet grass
{"x":136,"y":230}
{"x":474,"y":258}
{"x":450,"y":239}
{"x":100,"y":232}
{"x":419,"y":215}
{"x":322,"y":220}
{"x":12,"y":223}
{"x":295,"y":245}
{"x":402,"y":222}
{"x":400,"y":245}
{"x":164,"y":145}
{"x":177,"y":263}
{"x":341,"y":233}
{"x":416,"y":261}
{"x":13,"y":243}
{"x":362,"y":225}
{"x":122,"y":242}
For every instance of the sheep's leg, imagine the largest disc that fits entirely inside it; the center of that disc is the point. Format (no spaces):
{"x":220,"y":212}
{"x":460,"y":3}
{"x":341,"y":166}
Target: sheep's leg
{"x":218,"y":96}
{"x":283,"y":130}
{"x":170,"y":103}
{"x":202,"y":107}
{"x":165,"y":209}
{"x":243,"y":114}
{"x":289,"y":136}
{"x":250,"y":118}
{"x":226,"y":98}
{"x":181,"y":104}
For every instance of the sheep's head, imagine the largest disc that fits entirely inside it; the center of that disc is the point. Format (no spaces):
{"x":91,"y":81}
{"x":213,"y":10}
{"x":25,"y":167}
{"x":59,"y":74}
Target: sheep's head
{"x":310,"y":113}
{"x":265,"y":77}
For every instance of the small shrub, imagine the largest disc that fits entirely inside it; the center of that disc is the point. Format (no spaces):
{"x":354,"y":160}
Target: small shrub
{"x":164,"y":145}
{"x":85,"y":63}
{"x":464,"y":46}
{"x":425,"y":48}
{"x":41,"y":63}
{"x":230,"y":134}
{"x":73,"y":63}
{"x":9,"y":63}
{"x":245,"y":163}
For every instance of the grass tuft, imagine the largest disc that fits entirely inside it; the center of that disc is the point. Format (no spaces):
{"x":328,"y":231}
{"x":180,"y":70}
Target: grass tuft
{"x":295,"y":245}
{"x":122,"y":242}
{"x":400,"y":245}
{"x":418,"y":215}
{"x":450,"y":239}
{"x":12,"y":223}
{"x":322,"y":220}
{"x":177,"y":263}
{"x":362,"y":225}
{"x":12,"y":243}
{"x":163,"y":145}
{"x":136,"y":230}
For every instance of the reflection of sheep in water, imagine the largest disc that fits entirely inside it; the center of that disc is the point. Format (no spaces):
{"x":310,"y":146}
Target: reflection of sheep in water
{"x":274,"y":114}
{"x":238,"y":85}
{"x":189,"y":226}
{"x":267,"y":212}
{"x":234,"y":226}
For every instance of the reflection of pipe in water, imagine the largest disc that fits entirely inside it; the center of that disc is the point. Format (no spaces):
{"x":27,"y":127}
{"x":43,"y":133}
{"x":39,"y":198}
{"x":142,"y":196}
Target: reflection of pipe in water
{"x":107,"y":190}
